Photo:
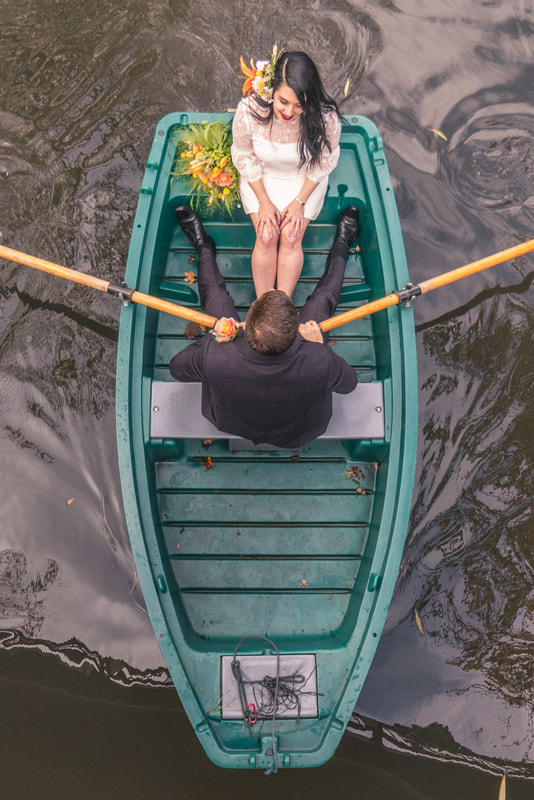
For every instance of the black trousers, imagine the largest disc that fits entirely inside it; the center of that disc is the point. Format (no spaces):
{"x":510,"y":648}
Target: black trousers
{"x":321,"y":304}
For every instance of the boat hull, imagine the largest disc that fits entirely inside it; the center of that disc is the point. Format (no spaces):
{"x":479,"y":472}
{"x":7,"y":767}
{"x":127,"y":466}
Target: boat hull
{"x":268,"y":551}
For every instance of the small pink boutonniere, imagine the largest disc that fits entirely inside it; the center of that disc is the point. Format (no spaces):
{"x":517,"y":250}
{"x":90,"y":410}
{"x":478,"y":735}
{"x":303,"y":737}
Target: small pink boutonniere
{"x":226,"y":329}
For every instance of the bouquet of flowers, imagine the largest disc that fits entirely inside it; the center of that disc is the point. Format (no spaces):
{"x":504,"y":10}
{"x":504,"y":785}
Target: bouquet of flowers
{"x":203,"y":160}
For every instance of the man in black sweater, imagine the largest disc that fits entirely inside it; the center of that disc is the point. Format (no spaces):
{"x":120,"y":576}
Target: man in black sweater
{"x":273,"y":382}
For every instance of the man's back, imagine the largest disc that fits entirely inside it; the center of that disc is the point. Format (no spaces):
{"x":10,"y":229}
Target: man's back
{"x":284,"y":400}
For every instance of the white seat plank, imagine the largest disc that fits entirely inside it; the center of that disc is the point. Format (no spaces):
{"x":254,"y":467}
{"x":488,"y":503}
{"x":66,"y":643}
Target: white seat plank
{"x":175,"y":413}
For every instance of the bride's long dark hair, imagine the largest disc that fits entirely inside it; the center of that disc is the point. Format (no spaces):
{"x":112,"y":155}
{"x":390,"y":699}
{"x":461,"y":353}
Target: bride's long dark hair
{"x":297,"y":70}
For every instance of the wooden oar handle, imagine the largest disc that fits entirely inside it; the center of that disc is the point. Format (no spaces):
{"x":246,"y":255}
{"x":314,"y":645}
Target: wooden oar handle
{"x":358,"y":313}
{"x":173,"y":308}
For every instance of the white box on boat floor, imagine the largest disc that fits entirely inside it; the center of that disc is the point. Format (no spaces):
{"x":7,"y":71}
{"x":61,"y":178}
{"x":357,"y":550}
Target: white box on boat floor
{"x":297,"y":686}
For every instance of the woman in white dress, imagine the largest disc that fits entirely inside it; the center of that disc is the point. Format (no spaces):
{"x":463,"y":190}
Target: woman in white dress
{"x":285,"y":144}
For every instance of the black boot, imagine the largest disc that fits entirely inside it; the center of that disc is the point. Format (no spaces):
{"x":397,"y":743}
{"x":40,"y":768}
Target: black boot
{"x":192,"y":226}
{"x":348,"y":227}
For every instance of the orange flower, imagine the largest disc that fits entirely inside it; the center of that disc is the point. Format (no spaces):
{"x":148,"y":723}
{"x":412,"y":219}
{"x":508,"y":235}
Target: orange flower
{"x":224,"y":179}
{"x":250,"y":74}
{"x":214,"y":173}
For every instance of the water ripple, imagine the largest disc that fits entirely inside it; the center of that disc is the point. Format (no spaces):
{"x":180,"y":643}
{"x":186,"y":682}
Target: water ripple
{"x":472,"y":516}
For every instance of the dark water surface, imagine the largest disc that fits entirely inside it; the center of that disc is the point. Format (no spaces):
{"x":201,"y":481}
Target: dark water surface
{"x":85,"y":707}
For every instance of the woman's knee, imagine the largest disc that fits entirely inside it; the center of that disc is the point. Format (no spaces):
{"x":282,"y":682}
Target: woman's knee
{"x":290,"y":244}
{"x":265,"y":244}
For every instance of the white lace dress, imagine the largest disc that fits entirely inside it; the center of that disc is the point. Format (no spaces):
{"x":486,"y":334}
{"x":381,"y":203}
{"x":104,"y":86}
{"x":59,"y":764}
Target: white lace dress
{"x":271,"y":153}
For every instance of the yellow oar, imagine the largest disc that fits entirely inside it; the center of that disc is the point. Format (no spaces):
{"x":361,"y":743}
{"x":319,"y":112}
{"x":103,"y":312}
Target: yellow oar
{"x":111,"y":288}
{"x":407,"y":294}
{"x":404,"y":295}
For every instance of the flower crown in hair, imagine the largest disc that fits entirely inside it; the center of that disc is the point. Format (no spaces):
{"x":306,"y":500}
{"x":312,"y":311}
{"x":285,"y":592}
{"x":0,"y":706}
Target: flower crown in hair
{"x":259,"y":77}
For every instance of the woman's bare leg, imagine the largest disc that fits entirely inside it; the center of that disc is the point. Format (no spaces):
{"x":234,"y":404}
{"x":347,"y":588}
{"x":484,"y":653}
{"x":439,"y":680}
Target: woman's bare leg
{"x":264,"y":258}
{"x":290,"y":260}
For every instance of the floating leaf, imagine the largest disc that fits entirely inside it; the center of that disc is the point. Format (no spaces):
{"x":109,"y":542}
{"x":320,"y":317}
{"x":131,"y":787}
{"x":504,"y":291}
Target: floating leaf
{"x":419,"y":623}
{"x":346,"y":89}
{"x":304,"y":583}
{"x":191,"y":259}
{"x":208,"y":463}
{"x":207,"y":442}
{"x":178,"y":546}
{"x":355,"y":473}
{"x":190,"y":277}
{"x":333,"y":342}
{"x":438,"y":133}
{"x":502,"y":790}
{"x":70,"y":501}
{"x":361,"y":490}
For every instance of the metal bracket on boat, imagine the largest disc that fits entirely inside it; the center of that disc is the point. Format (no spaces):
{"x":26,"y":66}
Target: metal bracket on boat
{"x":409,"y":293}
{"x":122,"y":291}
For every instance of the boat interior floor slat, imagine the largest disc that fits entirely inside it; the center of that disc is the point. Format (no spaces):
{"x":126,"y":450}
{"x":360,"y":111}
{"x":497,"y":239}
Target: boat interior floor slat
{"x":239,"y":541}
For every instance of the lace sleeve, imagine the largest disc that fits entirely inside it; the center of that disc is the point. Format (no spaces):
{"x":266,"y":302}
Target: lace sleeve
{"x":246,"y":163}
{"x":329,"y":158}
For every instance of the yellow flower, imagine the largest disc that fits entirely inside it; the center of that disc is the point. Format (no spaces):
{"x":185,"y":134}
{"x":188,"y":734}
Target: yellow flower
{"x":226,"y":191}
{"x":223,"y":162}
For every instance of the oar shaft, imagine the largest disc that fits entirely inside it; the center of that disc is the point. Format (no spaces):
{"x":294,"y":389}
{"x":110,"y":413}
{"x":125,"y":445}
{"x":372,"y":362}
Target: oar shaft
{"x":173,"y":308}
{"x":54,"y":269}
{"x":476,"y":266}
{"x":428,"y":285}
{"x":104,"y":286}
{"x":359,"y":312}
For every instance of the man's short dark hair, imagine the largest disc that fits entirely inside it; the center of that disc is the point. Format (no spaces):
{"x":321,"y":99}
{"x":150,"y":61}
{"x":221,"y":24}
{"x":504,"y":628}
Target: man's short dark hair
{"x":272,"y":323}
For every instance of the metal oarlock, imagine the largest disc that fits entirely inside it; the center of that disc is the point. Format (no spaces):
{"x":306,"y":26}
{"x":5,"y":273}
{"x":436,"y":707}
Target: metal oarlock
{"x":409,"y":293}
{"x":122,"y":291}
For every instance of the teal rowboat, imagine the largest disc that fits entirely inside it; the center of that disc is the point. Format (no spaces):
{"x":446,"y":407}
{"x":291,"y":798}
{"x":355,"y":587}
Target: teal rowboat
{"x":268,"y":574}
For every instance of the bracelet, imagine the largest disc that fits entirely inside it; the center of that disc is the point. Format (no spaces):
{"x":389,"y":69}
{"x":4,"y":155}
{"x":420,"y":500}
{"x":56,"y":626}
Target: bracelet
{"x":302,"y":203}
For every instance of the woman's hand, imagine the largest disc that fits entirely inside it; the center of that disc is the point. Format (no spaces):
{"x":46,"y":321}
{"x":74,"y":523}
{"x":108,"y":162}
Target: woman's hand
{"x":311,"y":332}
{"x":293,"y":219}
{"x":268,"y":220}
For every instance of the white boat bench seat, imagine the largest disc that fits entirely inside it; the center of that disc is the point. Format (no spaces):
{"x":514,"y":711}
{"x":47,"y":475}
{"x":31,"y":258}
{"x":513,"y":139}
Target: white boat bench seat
{"x":175,"y":413}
